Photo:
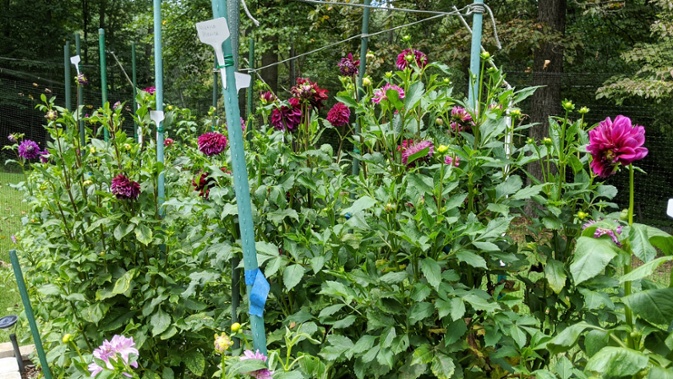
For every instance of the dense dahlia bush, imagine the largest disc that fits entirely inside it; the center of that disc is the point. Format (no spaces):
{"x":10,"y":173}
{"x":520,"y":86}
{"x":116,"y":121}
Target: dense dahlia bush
{"x":404,"y":258}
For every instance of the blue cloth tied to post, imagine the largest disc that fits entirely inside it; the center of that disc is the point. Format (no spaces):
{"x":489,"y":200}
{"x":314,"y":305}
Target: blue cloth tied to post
{"x":259,"y":291}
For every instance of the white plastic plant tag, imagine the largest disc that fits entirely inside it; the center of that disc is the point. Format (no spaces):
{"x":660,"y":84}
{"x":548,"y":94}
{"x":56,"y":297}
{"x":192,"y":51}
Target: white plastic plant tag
{"x":157,"y":117}
{"x":242,"y":81}
{"x":214,"y":32}
{"x":669,"y":211}
{"x":75,"y":60}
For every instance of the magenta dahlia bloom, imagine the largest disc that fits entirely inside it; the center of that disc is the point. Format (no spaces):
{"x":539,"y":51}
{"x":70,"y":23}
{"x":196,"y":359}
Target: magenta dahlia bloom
{"x":380,"y":94}
{"x":407,"y":56}
{"x":461,"y":119}
{"x":263,"y":373}
{"x":339,"y":115}
{"x":29,"y":150}
{"x":613,"y":143}
{"x":44,"y":156}
{"x":124,"y":188}
{"x":267,"y":97}
{"x":409,"y":148}
{"x":168,"y":142}
{"x":151,"y":90}
{"x":452,"y":161}
{"x":212,"y":143}
{"x":309,"y":92}
{"x":348,"y":66}
{"x":287,"y":117}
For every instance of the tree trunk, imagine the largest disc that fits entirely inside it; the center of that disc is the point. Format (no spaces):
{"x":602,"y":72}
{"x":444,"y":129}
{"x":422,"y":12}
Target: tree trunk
{"x":547,"y":71}
{"x":270,"y":56}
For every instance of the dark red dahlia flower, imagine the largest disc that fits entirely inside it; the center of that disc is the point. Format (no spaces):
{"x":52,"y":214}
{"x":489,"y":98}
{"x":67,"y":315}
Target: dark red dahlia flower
{"x":124,"y":188}
{"x":212,"y":143}
{"x":407,"y":56}
{"x":339,"y":115}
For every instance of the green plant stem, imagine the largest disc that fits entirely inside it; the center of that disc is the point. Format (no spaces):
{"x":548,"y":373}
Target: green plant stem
{"x":627,"y":265}
{"x":223,"y":371}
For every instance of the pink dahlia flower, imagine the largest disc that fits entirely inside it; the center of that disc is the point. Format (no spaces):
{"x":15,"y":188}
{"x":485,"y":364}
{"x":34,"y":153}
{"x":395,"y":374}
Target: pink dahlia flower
{"x":380,"y":94}
{"x":308,"y":91}
{"x":267,"y":97}
{"x":29,"y":150}
{"x":263,"y":373}
{"x":212,"y":143}
{"x":409,"y":148}
{"x":169,"y":142}
{"x":613,"y":143}
{"x":287,"y":117}
{"x":124,"y":188}
{"x":348,"y":66}
{"x":452,"y":161}
{"x":151,"y":90}
{"x":407,"y":56}
{"x":118,"y":347}
{"x":461,"y":119}
{"x":339,"y":115}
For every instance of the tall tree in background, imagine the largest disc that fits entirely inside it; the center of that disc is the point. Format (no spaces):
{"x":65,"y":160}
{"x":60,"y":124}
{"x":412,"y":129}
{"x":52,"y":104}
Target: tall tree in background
{"x":547,"y":70}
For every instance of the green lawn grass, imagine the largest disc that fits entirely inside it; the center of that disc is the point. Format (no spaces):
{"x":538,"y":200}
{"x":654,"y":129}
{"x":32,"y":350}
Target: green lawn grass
{"x":11,"y":210}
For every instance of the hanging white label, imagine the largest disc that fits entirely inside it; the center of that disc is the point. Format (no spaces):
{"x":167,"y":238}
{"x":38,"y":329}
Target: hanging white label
{"x":669,"y":211}
{"x":75,"y":60}
{"x":213,"y":32}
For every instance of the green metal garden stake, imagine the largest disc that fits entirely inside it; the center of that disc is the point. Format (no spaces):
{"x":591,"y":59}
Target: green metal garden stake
{"x":215,"y":92}
{"x":215,"y":33}
{"x":103,"y":74}
{"x":159,"y":93}
{"x":251,"y":65}
{"x":20,"y":282}
{"x":475,"y":52}
{"x":80,"y":96}
{"x":66,"y":72}
{"x":361,"y":76}
{"x":134,"y":77}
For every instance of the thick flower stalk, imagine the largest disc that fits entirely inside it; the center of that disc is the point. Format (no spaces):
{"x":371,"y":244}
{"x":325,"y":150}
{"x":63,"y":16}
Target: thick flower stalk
{"x":124,"y":189}
{"x":119,"y":347}
{"x":380,"y":94}
{"x":407,"y":56}
{"x":263,"y":373}
{"x":614,"y":143}
{"x":212,"y":143}
{"x":339,"y":115}
{"x":29,"y":150}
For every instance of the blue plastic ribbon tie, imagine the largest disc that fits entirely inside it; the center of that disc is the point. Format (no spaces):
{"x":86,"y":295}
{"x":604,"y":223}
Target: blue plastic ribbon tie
{"x":259,"y":291}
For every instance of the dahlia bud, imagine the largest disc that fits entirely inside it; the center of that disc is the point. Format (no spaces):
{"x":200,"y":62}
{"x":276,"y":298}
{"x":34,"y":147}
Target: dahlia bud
{"x":366,"y":82}
{"x":516,"y":112}
{"x":584,"y":110}
{"x":568,"y":105}
{"x":67,"y":338}
{"x":547,"y":141}
{"x":389,"y":74}
{"x":439,"y":121}
{"x":485,"y":55}
{"x":442,"y":149}
{"x":582,"y":215}
{"x":406,"y":38}
{"x":530,"y":141}
{"x":235,"y":327}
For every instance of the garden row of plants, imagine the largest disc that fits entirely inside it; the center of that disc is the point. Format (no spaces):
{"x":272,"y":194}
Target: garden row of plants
{"x":423,"y":264}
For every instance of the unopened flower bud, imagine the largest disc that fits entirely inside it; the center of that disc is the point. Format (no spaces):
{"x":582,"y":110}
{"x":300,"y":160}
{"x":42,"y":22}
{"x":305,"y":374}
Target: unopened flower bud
{"x":530,"y":141}
{"x":582,"y":215}
{"x":127,"y":146}
{"x":568,"y":105}
{"x":406,"y":38}
{"x":67,"y":338}
{"x":92,"y":150}
{"x":439,"y":121}
{"x":235,"y":327}
{"x":516,"y":112}
{"x":409,"y":58}
{"x":390,"y":207}
{"x":370,"y":56}
{"x":485,"y":55}
{"x":389,"y":74}
{"x":547,"y":141}
{"x":442,"y":149}
{"x":51,"y":115}
{"x":222,"y":343}
{"x":446,"y":80}
{"x":584,"y":110}
{"x":366,"y":82}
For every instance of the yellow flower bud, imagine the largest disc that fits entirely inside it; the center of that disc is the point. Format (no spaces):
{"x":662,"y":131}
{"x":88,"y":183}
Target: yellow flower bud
{"x":366,"y":82}
{"x":235,"y":327}
{"x":67,"y":338}
{"x":92,"y":150}
{"x":582,"y":215}
{"x":222,"y":343}
{"x":439,"y":121}
{"x":442,"y":149}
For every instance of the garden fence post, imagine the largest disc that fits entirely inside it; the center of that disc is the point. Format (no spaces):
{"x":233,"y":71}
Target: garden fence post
{"x":215,"y":33}
{"x":475,"y":52}
{"x":66,"y":72}
{"x":134,"y":78}
{"x":159,"y":93}
{"x":361,"y":75}
{"x":28,"y":309}
{"x":80,"y":95}
{"x":103,"y":74}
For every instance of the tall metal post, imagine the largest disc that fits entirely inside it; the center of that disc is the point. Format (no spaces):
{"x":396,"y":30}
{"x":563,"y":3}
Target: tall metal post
{"x":28,"y":309}
{"x":233,"y":20}
{"x":80,"y":96}
{"x":475,"y":52}
{"x":361,"y":75}
{"x":159,"y":85}
{"x":241,"y":187}
{"x":251,"y":64}
{"x":215,"y":86}
{"x":134,"y":78}
{"x":66,"y":73}
{"x":103,"y":74}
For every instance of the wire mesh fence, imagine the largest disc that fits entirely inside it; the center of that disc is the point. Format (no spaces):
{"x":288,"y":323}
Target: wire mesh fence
{"x":19,"y":96}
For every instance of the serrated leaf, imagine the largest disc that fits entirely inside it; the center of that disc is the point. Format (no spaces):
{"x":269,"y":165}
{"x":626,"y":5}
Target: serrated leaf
{"x":640,"y":243}
{"x":394,"y":277}
{"x":143,"y":234}
{"x":471,"y":259}
{"x":591,"y":256}
{"x":332,"y":309}
{"x":567,"y":338}
{"x":564,"y":368}
{"x":442,"y":366}
{"x":195,"y":362}
{"x":124,"y":282}
{"x":655,"y":306}
{"x":292,"y":275}
{"x":160,"y":321}
{"x":422,"y":355}
{"x":480,"y":304}
{"x":345,"y":322}
{"x":555,"y":274}
{"x":508,"y":187}
{"x":613,"y":362}
{"x":420,"y":311}
{"x":337,"y":346}
{"x":432,"y":272}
